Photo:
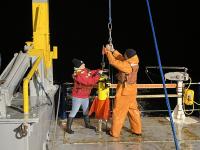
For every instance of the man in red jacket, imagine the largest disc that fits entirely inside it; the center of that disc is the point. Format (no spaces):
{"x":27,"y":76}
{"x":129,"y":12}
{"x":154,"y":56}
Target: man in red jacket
{"x":84,"y":81}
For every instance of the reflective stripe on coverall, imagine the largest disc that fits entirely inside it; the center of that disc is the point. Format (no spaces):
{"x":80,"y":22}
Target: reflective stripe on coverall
{"x":125,"y":98}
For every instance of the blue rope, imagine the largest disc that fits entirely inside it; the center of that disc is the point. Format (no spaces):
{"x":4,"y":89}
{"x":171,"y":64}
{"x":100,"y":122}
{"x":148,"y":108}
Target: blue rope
{"x":163,"y":81}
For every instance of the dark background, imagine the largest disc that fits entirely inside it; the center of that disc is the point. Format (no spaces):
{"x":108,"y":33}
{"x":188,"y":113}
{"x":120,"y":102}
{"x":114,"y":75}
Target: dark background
{"x":80,"y":28}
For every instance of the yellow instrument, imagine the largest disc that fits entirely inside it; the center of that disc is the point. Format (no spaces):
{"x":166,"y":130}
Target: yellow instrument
{"x":103,"y":88}
{"x":188,"y":97}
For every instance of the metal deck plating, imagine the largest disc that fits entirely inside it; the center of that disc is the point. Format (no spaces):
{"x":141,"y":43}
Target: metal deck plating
{"x":157,"y":135}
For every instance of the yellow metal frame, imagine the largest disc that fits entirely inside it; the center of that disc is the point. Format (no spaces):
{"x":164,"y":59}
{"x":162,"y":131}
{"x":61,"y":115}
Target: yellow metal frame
{"x":41,"y":41}
{"x":40,"y":46}
{"x":26,"y":82}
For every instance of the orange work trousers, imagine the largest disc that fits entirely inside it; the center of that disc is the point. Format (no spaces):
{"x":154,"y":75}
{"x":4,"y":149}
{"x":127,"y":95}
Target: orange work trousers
{"x":125,"y":105}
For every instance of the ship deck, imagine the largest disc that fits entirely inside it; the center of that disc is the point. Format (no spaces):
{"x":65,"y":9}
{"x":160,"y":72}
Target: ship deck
{"x":157,"y":135}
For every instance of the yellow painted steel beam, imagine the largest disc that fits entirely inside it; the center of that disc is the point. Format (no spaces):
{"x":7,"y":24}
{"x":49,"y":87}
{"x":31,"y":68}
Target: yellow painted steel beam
{"x":40,"y":46}
{"x":41,"y":40}
{"x":25,"y":85}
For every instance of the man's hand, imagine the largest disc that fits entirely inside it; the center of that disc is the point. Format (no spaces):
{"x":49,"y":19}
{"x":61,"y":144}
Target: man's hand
{"x":110,"y":47}
{"x":100,"y":71}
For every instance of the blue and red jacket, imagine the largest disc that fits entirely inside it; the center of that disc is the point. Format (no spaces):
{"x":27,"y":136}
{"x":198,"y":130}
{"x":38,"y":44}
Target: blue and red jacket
{"x":84,"y":81}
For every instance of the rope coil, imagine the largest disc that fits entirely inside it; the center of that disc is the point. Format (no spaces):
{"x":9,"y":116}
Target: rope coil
{"x":21,"y":131}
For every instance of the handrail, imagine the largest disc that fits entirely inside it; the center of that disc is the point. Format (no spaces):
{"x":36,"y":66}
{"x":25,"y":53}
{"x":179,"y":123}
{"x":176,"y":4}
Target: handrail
{"x":145,"y":86}
{"x":25,"y":85}
{"x":142,"y":86}
{"x":142,"y":96}
{"x":150,"y":86}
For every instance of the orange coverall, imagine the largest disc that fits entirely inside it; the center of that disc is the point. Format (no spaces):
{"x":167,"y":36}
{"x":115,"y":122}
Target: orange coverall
{"x":125,"y":99}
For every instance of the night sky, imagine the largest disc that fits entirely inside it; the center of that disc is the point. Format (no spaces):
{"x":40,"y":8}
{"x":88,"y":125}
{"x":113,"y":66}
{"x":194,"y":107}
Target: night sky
{"x":80,"y":27}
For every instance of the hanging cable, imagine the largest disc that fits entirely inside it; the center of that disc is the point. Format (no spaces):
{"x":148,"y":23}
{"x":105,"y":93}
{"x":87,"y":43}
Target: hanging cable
{"x":42,"y":87}
{"x":110,"y":25}
{"x":162,"y":76}
{"x":110,"y":74}
{"x":103,"y":60}
{"x":110,"y":31}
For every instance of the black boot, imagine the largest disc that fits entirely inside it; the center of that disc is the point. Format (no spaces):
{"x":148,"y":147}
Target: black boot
{"x":87,"y":122}
{"x":69,"y":125}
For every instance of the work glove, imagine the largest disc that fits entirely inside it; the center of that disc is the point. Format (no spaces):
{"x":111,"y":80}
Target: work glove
{"x":110,"y":47}
{"x":100,"y":71}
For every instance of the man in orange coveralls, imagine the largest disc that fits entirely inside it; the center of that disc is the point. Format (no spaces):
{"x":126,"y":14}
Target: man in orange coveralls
{"x":126,"y":91}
